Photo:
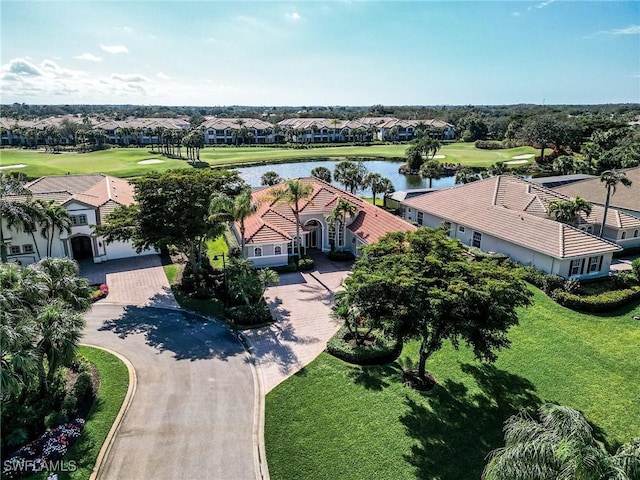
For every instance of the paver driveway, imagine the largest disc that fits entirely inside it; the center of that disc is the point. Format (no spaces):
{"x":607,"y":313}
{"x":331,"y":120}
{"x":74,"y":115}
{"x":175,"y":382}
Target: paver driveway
{"x":195,"y":413}
{"x":301,"y":304}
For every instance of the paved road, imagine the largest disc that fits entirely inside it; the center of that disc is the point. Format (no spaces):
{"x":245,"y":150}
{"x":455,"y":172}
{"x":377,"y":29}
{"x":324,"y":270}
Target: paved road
{"x":193,"y":415}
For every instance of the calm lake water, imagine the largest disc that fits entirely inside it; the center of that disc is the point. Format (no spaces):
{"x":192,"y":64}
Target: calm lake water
{"x":386,"y":168}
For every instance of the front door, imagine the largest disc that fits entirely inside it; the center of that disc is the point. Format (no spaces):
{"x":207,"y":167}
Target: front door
{"x":81,"y":247}
{"x":314,"y":238}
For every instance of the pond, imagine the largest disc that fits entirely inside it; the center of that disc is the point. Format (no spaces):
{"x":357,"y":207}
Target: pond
{"x":386,"y":168}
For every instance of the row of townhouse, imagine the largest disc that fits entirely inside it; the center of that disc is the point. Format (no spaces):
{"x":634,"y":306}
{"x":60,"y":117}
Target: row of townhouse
{"x":226,"y":131}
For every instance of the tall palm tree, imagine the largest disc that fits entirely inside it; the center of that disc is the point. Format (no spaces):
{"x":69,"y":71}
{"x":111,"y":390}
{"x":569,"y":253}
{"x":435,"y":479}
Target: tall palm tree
{"x":224,"y":209}
{"x":558,"y":446}
{"x":377,"y":184}
{"x":350,"y":174}
{"x":292,"y":194}
{"x":339,"y":215}
{"x":54,"y":217}
{"x":385,"y":187}
{"x":322,"y":173}
{"x":14,"y":206}
{"x":611,"y":179}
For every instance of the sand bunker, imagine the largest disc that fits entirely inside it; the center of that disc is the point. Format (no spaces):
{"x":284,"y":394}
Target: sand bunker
{"x":150,"y":161}
{"x":20,"y":165}
{"x":438,"y":157}
{"x":515,"y":162}
{"x":522,"y":157}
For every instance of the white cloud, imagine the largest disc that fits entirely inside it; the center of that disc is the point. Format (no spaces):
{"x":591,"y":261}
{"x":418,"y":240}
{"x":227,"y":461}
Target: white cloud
{"x":129,"y":77}
{"x":293,"y":16}
{"x":631,"y":30}
{"x":90,"y":57}
{"x":545,"y":3}
{"x":114,"y":48}
{"x":163,"y":76}
{"x":22,"y":68}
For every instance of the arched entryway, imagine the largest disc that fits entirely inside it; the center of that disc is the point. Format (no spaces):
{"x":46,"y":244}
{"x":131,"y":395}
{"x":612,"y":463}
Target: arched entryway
{"x":315,"y":234}
{"x":81,"y":247}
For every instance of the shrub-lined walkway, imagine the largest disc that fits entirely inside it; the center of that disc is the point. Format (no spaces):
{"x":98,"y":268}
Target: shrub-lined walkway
{"x":333,"y":420}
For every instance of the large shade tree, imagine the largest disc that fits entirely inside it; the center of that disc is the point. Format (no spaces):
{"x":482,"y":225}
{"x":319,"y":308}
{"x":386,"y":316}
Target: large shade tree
{"x":560,"y":445}
{"x":423,"y":285}
{"x":172,"y":210}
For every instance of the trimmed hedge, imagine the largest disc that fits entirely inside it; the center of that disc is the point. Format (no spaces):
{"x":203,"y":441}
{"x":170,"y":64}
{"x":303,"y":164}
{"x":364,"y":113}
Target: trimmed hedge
{"x":605,"y":302}
{"x":383,"y":350}
{"x":341,"y":256}
{"x":635,"y":266}
{"x":288,"y":268}
{"x":305,"y":263}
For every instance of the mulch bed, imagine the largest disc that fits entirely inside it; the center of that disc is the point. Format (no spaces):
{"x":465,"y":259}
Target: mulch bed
{"x":413,"y":380}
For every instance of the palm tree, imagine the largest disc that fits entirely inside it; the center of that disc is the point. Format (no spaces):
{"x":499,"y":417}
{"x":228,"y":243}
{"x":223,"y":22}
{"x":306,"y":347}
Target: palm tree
{"x":294,"y":192}
{"x":267,"y":277}
{"x":350,"y":174}
{"x":431,"y":170}
{"x":270,"y":178}
{"x":466,"y":175}
{"x":54,"y":216}
{"x":377,"y":185}
{"x":14,"y":207}
{"x":386,"y":188}
{"x":339,"y":215}
{"x":224,"y":209}
{"x":611,"y":179}
{"x":322,"y":173}
{"x":558,"y":446}
{"x":563,"y":210}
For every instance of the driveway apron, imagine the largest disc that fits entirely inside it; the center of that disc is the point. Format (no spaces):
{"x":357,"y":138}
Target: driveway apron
{"x":193,"y":415}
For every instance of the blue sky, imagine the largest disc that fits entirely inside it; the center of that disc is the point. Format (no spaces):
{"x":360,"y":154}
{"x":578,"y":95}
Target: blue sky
{"x":320,"y":53}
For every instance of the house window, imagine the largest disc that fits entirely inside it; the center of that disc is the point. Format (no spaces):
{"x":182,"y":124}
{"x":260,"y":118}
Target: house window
{"x":28,"y":248}
{"x":477,"y":239}
{"x":77,"y":220}
{"x":461,"y":229}
{"x":594,"y":264}
{"x":257,"y":252}
{"x":575,"y":267}
{"x":636,"y":233}
{"x":277,"y":250}
{"x":14,"y":250}
{"x":420,"y":218}
{"x":624,"y":235}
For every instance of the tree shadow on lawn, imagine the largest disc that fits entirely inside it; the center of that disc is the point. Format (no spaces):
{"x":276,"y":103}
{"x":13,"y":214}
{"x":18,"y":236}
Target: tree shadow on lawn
{"x":456,"y":429}
{"x":184,"y":334}
{"x":376,"y":377}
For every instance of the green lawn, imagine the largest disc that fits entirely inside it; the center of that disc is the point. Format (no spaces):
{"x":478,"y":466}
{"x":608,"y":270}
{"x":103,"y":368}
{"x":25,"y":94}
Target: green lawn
{"x":333,"y":420}
{"x":114,"y":382}
{"x":123,"y":162}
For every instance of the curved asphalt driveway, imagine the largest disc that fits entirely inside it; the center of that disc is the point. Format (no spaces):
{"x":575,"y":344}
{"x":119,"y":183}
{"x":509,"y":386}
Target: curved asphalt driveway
{"x":193,"y":415}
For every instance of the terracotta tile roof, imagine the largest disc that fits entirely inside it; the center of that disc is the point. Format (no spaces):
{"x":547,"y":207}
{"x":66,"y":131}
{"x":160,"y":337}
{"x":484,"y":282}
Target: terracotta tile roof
{"x":232,"y":123}
{"x":100,"y":191}
{"x":593,"y":190}
{"x":509,"y":208}
{"x":274,"y":222}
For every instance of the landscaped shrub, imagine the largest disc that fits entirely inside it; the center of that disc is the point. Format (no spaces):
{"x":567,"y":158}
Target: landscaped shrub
{"x":54,"y":419}
{"x":481,"y":254}
{"x":488,"y":144}
{"x":625,"y":279}
{"x":604,"y":302}
{"x":383,"y":349}
{"x":345,"y":256}
{"x":544,"y":281}
{"x":552,"y":282}
{"x":69,"y":403}
{"x":289,"y":267}
{"x":635,"y":266}
{"x":305,"y":263}
{"x":83,"y":387}
{"x":250,"y":315}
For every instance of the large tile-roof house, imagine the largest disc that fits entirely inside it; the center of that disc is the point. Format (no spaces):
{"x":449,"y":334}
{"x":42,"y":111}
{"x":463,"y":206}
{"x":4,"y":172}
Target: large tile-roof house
{"x":270,"y":232}
{"x":508,"y":214}
{"x":625,"y":199}
{"x":88,"y":199}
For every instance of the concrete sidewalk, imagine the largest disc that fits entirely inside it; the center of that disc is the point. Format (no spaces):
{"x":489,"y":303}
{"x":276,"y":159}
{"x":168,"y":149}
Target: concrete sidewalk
{"x":301,"y":304}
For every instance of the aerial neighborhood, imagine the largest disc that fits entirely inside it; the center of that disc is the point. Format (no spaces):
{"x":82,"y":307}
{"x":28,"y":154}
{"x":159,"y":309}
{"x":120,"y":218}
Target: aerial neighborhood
{"x":325,"y":240}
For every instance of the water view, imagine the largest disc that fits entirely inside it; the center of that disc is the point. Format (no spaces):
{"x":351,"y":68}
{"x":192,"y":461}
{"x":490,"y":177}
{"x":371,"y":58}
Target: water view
{"x":386,"y":168}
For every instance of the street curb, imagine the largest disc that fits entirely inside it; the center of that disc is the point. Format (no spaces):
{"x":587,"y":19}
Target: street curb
{"x":108,"y":442}
{"x":258,"y":423}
